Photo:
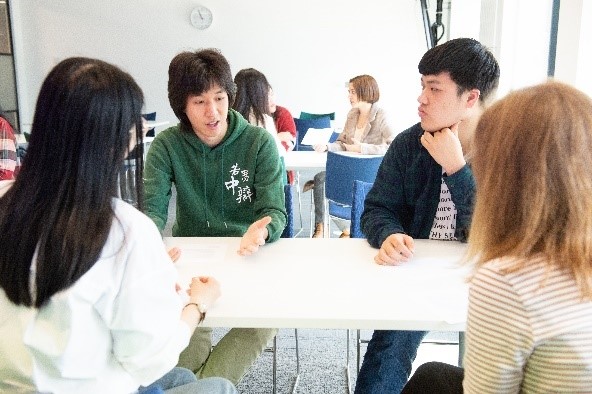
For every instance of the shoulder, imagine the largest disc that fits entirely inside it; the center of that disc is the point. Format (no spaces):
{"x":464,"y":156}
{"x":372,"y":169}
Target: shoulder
{"x":170,"y":134}
{"x":282,"y":111}
{"x":409,"y":137}
{"x":131,"y":221}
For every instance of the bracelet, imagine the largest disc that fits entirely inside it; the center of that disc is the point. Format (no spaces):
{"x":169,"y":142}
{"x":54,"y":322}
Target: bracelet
{"x":202,"y":314}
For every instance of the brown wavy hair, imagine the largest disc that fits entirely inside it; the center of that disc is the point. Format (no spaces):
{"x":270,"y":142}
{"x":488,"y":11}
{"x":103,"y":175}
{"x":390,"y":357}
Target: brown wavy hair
{"x":533,"y":169}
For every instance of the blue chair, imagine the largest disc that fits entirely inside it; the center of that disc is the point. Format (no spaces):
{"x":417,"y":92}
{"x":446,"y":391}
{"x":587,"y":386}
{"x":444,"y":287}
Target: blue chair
{"x":302,"y":126}
{"x":360,"y":191}
{"x":289,"y":229}
{"x":342,"y":170}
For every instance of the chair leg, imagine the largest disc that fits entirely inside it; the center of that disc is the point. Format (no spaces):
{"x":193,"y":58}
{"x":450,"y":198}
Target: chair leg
{"x":461,"y":347}
{"x":358,"y":342}
{"x":274,"y":368}
{"x":312,"y":218}
{"x":347,"y":370}
{"x":297,"y":379}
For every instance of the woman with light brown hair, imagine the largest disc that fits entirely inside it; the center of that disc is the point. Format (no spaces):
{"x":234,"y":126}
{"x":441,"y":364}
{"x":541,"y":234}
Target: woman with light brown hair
{"x":529,"y":326}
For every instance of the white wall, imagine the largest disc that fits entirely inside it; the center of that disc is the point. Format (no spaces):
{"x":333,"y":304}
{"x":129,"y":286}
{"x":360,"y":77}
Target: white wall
{"x":308,"y":49}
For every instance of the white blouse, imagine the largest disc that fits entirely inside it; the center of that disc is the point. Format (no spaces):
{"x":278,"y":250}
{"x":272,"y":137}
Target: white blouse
{"x":118,"y":327}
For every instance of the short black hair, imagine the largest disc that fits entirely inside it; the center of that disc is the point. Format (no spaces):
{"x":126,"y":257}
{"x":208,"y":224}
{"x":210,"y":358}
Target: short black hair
{"x":192,"y":73}
{"x":470,"y":65}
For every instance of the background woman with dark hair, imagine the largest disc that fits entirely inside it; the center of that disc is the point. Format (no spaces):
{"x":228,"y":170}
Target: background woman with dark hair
{"x":88,"y":299}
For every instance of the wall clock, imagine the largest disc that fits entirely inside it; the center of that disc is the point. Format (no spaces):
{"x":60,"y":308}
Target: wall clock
{"x":201,"y":17}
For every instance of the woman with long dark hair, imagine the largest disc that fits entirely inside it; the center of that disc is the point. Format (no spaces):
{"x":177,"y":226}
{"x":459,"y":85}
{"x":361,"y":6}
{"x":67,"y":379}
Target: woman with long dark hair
{"x":88,"y":299}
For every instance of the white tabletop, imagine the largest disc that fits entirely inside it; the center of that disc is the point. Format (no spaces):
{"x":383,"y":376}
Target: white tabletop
{"x":305,"y":160}
{"x":329,"y":283}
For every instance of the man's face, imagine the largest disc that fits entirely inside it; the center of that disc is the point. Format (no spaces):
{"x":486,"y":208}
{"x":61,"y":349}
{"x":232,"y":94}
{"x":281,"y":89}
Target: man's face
{"x":207,"y":114}
{"x":440,"y":105}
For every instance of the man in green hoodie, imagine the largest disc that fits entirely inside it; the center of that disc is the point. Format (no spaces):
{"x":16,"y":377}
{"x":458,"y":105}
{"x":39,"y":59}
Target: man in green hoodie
{"x":228,"y":180}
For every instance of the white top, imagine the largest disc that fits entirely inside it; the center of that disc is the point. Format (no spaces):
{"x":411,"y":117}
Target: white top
{"x":270,"y":127}
{"x":118,"y":327}
{"x":444,"y":224}
{"x":527,"y":331}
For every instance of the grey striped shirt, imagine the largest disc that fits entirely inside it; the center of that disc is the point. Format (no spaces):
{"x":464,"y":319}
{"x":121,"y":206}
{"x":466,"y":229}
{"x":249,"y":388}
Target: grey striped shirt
{"x":528,"y":331}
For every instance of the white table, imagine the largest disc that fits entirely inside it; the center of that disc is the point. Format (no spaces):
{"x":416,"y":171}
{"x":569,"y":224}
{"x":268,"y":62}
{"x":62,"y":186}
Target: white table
{"x":305,"y":160}
{"x":329,"y":283}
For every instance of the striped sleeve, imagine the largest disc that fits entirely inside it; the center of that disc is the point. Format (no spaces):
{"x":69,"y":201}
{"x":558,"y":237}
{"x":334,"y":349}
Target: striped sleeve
{"x":528,"y":331}
{"x":498,"y":339}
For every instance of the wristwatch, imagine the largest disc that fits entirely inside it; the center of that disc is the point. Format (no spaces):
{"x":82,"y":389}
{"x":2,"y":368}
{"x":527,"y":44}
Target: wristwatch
{"x":201,"y":308}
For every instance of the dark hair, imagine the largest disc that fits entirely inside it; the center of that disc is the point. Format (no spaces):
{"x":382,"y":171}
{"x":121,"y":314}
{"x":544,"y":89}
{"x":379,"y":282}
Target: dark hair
{"x":366,"y":88}
{"x":470,"y":65}
{"x":61,"y":203}
{"x":193,"y":73}
{"x":252,"y":94}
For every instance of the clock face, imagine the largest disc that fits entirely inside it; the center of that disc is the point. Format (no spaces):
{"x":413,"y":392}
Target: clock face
{"x":201,"y":17}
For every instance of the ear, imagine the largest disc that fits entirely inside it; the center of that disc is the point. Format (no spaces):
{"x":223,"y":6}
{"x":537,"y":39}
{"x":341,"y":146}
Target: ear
{"x":473,"y":97}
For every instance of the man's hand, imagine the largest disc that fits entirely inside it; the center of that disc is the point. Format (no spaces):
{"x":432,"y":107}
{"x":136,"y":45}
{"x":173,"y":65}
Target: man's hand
{"x":444,"y":146}
{"x":396,"y":249}
{"x":254,"y":237}
{"x":174,"y":253}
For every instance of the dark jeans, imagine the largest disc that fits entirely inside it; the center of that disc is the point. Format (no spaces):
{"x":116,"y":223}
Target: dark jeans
{"x":388,"y":361}
{"x":437,"y":378}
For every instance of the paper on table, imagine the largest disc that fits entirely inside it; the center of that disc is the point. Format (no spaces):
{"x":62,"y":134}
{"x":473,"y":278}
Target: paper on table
{"x":206,"y":253}
{"x":317,"y":136}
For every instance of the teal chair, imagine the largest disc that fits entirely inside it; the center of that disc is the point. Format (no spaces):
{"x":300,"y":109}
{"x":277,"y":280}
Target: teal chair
{"x":309,"y":115}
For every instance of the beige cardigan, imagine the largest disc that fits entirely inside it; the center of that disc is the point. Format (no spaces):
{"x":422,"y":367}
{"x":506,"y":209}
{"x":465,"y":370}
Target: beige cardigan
{"x":376,"y":137}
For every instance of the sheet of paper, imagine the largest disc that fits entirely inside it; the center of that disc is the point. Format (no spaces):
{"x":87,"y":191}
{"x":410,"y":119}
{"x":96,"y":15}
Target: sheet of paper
{"x":317,"y":136}
{"x":203,"y":254}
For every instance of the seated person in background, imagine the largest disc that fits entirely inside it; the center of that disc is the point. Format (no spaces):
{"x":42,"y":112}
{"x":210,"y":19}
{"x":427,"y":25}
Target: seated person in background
{"x":424,"y":187}
{"x":284,"y":123}
{"x":89,"y":301}
{"x":7,"y":149}
{"x":366,"y":131}
{"x":228,"y":180}
{"x":252,"y":102}
{"x":529,"y":326}
{"x":285,"y":126}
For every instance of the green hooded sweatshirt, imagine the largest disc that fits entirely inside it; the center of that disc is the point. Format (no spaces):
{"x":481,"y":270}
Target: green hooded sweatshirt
{"x":222,"y":190}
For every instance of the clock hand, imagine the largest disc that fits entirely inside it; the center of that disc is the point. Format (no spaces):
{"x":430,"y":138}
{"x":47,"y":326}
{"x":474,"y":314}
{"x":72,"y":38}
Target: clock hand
{"x":200,"y":15}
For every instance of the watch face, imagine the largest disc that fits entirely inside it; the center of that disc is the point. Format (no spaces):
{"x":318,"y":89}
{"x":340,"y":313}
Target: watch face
{"x":201,"y":17}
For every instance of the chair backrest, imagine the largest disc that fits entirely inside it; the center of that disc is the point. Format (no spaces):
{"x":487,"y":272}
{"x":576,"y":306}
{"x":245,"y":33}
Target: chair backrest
{"x":310,"y":115}
{"x":343,"y":170}
{"x":289,"y":229}
{"x":361,"y":189}
{"x":302,"y":126}
{"x":150,"y":117}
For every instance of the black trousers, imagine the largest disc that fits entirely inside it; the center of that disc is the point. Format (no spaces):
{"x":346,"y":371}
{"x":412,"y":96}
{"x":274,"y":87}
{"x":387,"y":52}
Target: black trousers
{"x":437,"y":378}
